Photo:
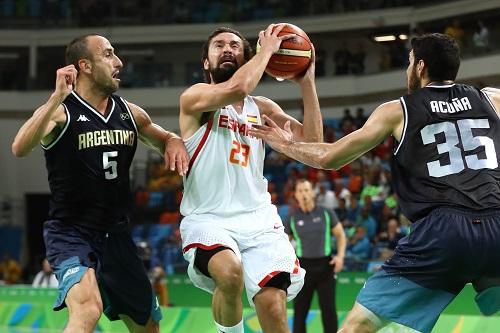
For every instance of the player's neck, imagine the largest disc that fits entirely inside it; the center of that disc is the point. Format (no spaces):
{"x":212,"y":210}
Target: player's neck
{"x":430,"y":83}
{"x":238,"y":106}
{"x":96,"y":99}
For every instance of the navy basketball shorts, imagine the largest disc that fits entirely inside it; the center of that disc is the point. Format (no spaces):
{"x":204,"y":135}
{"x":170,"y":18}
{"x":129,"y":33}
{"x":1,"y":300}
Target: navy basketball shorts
{"x":123,"y":283}
{"x":443,"y":252}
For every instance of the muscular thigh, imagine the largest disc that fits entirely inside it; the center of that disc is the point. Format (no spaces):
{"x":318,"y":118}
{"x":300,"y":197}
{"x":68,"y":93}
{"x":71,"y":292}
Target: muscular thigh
{"x":84,"y":292}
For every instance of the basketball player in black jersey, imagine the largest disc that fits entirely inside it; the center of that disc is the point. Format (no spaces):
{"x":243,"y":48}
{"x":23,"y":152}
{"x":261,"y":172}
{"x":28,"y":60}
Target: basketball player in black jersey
{"x":446,"y":176}
{"x":89,"y":136}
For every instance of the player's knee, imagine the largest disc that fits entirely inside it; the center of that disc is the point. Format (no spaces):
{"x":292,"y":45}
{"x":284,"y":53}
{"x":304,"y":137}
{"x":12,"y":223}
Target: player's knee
{"x":230,"y":279}
{"x":93,"y":311}
{"x":275,"y":310}
{"x":358,"y":323}
{"x":88,"y":311}
{"x":88,"y":306}
{"x":153,"y":327}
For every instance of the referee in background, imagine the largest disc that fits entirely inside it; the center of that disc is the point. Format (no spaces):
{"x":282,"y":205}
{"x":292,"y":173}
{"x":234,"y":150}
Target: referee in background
{"x":311,"y":227}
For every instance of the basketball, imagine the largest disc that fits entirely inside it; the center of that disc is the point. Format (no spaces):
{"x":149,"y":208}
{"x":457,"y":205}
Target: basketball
{"x":294,"y":55}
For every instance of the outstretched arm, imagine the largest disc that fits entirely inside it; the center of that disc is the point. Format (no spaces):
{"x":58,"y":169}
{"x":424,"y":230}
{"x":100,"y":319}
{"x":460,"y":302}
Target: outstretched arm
{"x":311,"y":130}
{"x":44,"y":124}
{"x":169,"y":144}
{"x":387,"y":119}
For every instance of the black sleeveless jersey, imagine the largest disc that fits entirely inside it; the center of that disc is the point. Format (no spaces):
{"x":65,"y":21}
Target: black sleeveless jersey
{"x":88,"y":164}
{"x":449,"y":151}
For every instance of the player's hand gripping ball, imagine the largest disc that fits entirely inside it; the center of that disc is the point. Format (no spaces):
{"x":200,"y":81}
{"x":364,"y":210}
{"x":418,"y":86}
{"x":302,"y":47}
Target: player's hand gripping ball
{"x":294,"y":55}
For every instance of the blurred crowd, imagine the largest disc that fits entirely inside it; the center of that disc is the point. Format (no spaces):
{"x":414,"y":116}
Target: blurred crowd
{"x":93,"y":12}
{"x":148,"y":67}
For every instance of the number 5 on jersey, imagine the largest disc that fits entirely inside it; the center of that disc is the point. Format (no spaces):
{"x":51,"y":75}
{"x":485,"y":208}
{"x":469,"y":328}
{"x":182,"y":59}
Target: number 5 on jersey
{"x":239,"y":153}
{"x":110,"y":166}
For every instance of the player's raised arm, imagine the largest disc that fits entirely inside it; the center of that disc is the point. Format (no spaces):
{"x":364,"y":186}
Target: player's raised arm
{"x":311,"y":130}
{"x":387,"y":119}
{"x":43,"y":124}
{"x":169,"y":144}
{"x":228,"y":50}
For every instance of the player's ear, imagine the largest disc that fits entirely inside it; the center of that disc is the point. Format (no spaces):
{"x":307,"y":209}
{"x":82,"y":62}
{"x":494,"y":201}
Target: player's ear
{"x":84,"y":65}
{"x":421,"y":67}
{"x":206,"y":65}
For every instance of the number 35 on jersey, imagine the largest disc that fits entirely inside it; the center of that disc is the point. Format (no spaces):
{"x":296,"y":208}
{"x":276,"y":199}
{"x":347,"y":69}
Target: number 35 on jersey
{"x":454,"y":134}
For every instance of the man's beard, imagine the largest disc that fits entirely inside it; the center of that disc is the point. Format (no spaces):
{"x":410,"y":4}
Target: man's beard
{"x":104,"y":85}
{"x":108,"y":89}
{"x":222,"y":74}
{"x":413,"y":81}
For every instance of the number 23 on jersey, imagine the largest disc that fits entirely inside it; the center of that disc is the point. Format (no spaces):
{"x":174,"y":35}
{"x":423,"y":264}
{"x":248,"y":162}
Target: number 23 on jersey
{"x":240,"y":153}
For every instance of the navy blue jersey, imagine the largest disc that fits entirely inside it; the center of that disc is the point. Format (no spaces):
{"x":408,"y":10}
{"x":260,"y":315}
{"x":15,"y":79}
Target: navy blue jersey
{"x":448,"y":154}
{"x":88,"y":164}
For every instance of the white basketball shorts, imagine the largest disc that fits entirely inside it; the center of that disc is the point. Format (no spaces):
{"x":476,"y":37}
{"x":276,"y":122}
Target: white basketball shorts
{"x":257,"y":238}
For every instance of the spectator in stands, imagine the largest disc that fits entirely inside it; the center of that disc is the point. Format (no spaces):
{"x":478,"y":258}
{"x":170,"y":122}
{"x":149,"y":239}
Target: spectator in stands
{"x":481,"y":39}
{"x":341,"y":192}
{"x":357,"y":60}
{"x":46,"y":277}
{"x":159,"y":285}
{"x":384,"y":63}
{"x":342,"y":58}
{"x":455,"y":30}
{"x":391,"y":236}
{"x":320,"y":55}
{"x":347,"y":118}
{"x":330,"y":135}
{"x":141,"y":197}
{"x":144,"y":252}
{"x":325,"y":198}
{"x":10,"y":270}
{"x":372,"y":187}
{"x":341,"y":211}
{"x":50,"y":11}
{"x":389,"y":209}
{"x":321,"y":181}
{"x":353,"y":210}
{"x":360,"y":118}
{"x":355,"y":179}
{"x":358,"y":245}
{"x":398,"y":54}
{"x":366,"y":220}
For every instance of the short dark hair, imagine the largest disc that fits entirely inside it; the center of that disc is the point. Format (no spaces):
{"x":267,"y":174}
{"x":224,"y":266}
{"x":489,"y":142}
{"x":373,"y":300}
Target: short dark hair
{"x":78,"y":49}
{"x":247,"y":49}
{"x":301,"y":181}
{"x":440,"y":53}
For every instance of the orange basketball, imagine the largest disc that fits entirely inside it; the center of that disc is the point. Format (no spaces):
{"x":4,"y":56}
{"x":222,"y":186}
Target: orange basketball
{"x":294,"y":55}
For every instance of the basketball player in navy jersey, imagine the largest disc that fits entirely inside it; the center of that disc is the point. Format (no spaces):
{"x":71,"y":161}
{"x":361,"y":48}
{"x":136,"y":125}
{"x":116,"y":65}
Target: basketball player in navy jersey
{"x":89,"y":136}
{"x":446,"y":175}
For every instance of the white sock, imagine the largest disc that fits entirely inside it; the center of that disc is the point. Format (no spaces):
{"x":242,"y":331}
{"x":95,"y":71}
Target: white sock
{"x":238,"y":328}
